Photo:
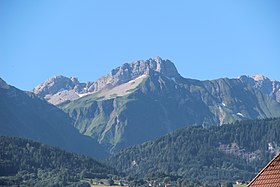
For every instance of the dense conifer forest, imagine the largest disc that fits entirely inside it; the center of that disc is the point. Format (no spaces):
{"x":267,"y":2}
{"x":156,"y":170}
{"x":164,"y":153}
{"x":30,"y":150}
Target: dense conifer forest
{"x":27,"y":163}
{"x":227,"y":153}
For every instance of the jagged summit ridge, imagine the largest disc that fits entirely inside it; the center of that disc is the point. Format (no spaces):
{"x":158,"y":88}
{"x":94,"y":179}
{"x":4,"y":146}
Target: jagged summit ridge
{"x":130,"y":71}
{"x":263,"y":83}
{"x":58,"y":88}
{"x":259,"y":77}
{"x":56,"y":84}
{"x":140,"y":67}
{"x":256,"y":77}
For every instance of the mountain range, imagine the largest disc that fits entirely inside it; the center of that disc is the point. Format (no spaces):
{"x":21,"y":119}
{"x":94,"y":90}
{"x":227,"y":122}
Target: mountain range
{"x":148,"y":101}
{"x":145,"y":99}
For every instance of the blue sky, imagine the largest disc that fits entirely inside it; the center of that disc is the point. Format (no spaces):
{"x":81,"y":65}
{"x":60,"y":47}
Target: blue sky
{"x":87,"y":38}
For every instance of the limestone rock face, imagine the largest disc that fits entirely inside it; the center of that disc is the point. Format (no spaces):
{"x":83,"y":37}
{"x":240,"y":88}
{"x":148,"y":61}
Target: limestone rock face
{"x":264,"y":84}
{"x":128,"y":72}
{"x":56,"y":84}
{"x":59,"y":89}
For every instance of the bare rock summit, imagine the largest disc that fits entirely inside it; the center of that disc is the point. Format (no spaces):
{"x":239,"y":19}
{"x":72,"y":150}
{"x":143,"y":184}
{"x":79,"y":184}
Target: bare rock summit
{"x":59,"y":89}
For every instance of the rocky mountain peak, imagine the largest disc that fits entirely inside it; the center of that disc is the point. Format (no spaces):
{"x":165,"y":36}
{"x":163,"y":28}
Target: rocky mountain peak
{"x":264,"y":84}
{"x":74,"y":80}
{"x":165,"y":67}
{"x":3,"y":84}
{"x":259,"y":77}
{"x":130,"y":71}
{"x":140,"y":67}
{"x":55,"y":84}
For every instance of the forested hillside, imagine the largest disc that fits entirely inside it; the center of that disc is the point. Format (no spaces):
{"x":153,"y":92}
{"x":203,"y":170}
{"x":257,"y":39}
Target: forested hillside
{"x":230,"y":152}
{"x":27,"y":163}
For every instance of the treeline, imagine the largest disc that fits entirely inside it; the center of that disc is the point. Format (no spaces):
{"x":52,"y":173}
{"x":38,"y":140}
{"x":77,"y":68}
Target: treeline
{"x":27,"y":163}
{"x":226,"y":153}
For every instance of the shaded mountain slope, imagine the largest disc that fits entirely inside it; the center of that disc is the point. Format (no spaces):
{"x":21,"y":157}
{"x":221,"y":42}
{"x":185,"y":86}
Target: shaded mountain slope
{"x":23,"y":114}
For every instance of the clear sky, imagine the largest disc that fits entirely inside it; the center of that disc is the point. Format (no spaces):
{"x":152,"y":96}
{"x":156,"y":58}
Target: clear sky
{"x":87,"y":38}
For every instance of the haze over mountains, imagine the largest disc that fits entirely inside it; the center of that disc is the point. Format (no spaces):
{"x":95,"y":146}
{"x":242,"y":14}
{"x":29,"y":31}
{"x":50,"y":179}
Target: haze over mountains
{"x":146,"y":99}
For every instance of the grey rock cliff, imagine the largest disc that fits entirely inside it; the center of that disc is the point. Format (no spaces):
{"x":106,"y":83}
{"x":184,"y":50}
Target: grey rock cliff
{"x":128,"y":72}
{"x":264,"y":84}
{"x":59,"y":89}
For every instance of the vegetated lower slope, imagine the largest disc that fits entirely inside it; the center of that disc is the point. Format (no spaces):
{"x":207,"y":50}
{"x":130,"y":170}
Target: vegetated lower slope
{"x":146,"y":99}
{"x":230,"y":152}
{"x":23,"y":114}
{"x":24,"y":162}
